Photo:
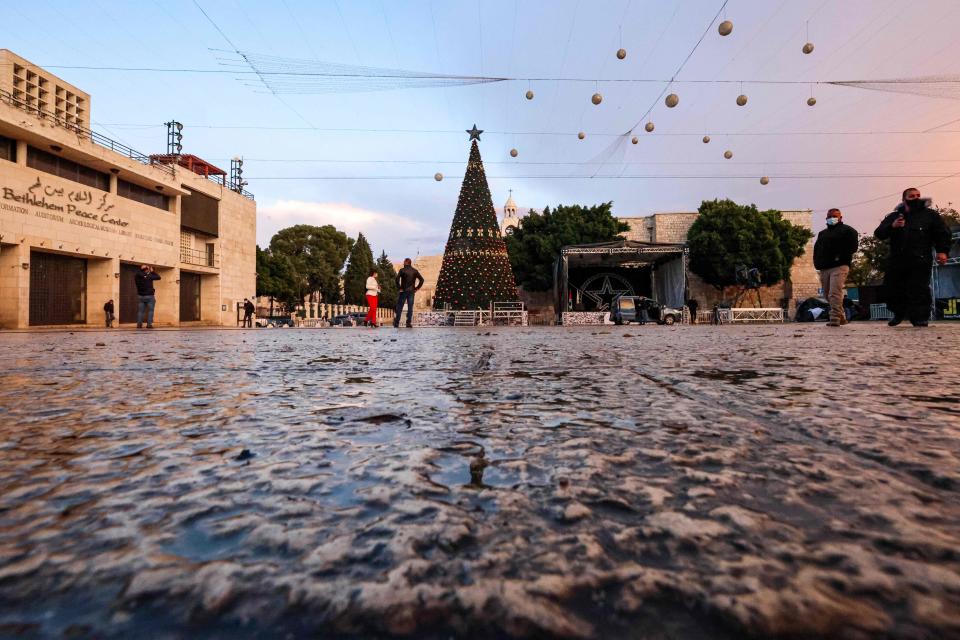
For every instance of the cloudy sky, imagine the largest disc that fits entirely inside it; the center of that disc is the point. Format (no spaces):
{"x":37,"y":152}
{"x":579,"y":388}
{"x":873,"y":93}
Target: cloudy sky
{"x":364,"y":161}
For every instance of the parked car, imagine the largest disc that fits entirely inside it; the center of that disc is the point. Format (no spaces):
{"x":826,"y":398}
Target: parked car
{"x":342,"y":320}
{"x":274,"y":321}
{"x":626,"y":309}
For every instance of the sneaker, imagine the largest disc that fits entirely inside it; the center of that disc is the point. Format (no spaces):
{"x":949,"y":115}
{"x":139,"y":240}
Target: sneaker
{"x":894,"y":321}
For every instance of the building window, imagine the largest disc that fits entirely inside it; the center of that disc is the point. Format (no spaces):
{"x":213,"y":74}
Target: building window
{"x":142,"y":194}
{"x":8,"y":149}
{"x":68,"y":169}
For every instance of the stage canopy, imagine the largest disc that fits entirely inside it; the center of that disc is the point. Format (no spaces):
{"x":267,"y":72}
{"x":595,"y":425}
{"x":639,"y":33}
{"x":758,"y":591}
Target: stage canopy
{"x":589,"y":276}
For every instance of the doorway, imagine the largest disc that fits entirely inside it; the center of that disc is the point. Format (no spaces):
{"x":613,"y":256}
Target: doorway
{"x":128,"y":293}
{"x":189,"y":297}
{"x":58,"y":289}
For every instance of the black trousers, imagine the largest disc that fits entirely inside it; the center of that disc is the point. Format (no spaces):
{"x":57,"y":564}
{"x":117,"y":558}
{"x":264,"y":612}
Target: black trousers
{"x":907,"y":289}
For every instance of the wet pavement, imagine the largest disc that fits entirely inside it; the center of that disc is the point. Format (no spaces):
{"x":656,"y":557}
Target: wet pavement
{"x":641,"y":482}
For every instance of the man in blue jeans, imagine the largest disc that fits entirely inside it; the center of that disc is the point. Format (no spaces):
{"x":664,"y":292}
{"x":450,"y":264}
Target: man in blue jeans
{"x":409,"y":282}
{"x":146,"y":298}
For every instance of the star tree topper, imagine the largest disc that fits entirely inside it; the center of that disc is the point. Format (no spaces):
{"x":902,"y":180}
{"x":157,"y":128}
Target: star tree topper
{"x":474,"y":133}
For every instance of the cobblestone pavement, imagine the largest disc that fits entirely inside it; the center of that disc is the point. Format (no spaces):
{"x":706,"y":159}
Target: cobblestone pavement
{"x":643,"y":482}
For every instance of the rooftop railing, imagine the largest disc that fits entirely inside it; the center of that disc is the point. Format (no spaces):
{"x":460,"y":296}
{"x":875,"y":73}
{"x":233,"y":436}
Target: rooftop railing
{"x":98,"y":138}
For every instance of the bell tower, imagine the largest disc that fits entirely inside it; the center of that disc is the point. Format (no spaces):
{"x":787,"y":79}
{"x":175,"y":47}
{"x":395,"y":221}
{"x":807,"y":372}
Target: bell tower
{"x":510,"y":219}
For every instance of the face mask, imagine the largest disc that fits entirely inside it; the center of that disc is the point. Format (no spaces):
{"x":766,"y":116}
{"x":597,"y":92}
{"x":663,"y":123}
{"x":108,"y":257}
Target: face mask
{"x":915,"y":205}
{"x":832,"y":221}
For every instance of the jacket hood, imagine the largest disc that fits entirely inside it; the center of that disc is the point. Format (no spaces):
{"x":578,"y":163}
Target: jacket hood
{"x":927,"y":202}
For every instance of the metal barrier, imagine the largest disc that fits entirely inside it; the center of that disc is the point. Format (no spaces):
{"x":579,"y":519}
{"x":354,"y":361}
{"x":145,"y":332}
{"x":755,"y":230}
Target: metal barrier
{"x":880,"y":312}
{"x":755,"y":315}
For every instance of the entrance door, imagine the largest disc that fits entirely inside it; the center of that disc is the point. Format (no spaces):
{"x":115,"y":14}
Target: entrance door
{"x":128,"y":292}
{"x":189,"y":297}
{"x":58,"y":289}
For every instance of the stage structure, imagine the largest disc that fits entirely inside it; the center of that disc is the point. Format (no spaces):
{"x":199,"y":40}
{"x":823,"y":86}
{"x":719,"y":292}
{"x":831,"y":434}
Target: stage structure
{"x":588,"y":277}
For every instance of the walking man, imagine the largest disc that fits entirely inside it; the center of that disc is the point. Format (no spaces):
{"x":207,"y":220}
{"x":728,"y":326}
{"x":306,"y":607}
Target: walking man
{"x":409,"y":282}
{"x":832,"y":254}
{"x":914,"y":231}
{"x":248,"y":310}
{"x":108,"y":312}
{"x":146,"y":296}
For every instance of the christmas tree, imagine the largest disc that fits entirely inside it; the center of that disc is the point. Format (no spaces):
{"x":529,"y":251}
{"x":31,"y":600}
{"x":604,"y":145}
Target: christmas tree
{"x":476,"y":269}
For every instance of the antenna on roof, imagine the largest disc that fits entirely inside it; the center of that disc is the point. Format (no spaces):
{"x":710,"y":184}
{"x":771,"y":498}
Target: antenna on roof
{"x":174,"y":137}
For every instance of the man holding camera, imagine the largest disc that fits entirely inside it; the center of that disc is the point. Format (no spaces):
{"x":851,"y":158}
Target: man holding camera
{"x":914,"y":231}
{"x":832,"y":254}
{"x":146,"y":296}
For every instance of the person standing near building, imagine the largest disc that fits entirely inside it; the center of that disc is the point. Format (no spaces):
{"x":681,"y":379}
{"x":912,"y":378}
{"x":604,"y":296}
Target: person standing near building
{"x":146,"y":296}
{"x":373,"y":290}
{"x":914,"y":231}
{"x":248,"y":310}
{"x":832,"y":255}
{"x":108,"y":312}
{"x":409,"y":282}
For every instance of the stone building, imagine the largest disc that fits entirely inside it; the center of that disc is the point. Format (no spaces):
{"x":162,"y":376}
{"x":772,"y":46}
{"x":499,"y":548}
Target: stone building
{"x":673,"y":228}
{"x":80,"y":212}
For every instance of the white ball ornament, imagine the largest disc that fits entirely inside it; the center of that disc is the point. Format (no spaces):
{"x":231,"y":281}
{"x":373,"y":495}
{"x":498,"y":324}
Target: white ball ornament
{"x":581,"y":135}
{"x":529,"y":94}
{"x":634,"y":140}
{"x":621,"y":54}
{"x":725,"y":28}
{"x":597,"y":98}
{"x":438,"y":177}
{"x":741,"y":100}
{"x":706,"y":139}
{"x":808,"y":48}
{"x":728,"y":154}
{"x":672,"y":100}
{"x":649,"y":127}
{"x":764,"y":180}
{"x":811,"y":101}
{"x":513,"y":153}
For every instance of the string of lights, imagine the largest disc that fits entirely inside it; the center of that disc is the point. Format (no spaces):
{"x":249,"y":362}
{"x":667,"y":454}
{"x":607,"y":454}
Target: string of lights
{"x":821,"y":176}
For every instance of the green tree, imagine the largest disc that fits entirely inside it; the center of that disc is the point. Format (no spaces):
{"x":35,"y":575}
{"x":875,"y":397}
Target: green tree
{"x":476,"y":269}
{"x":387,"y":276}
{"x":726,"y":235}
{"x":358,"y":269}
{"x":275,"y":279}
{"x":950,"y":215}
{"x":534,"y":247}
{"x":315,"y":257}
{"x":869,"y":263}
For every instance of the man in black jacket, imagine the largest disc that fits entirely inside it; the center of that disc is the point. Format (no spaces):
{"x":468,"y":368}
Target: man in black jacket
{"x":832,"y":253}
{"x":409,"y":282}
{"x":914,"y":231}
{"x":146,"y":296}
{"x":248,"y":310}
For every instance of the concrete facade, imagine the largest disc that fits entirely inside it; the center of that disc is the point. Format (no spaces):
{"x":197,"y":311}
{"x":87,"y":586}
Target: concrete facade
{"x":120,"y":222}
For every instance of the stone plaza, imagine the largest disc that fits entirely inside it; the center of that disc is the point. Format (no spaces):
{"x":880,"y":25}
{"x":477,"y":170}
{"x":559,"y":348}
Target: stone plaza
{"x":645,"y":482}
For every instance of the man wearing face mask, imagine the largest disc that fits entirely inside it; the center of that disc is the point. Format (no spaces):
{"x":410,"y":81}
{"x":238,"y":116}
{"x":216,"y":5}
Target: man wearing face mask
{"x":914,"y":231}
{"x":832,"y":254}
